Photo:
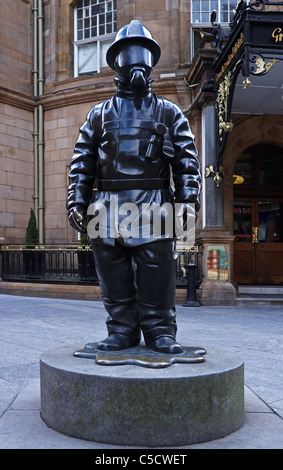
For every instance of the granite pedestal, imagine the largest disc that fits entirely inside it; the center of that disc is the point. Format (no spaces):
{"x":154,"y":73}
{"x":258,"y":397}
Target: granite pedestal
{"x":138,"y":406}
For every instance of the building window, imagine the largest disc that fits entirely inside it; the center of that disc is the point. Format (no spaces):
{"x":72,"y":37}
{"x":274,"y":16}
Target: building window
{"x":200,"y":17}
{"x":95,"y":28}
{"x":202,"y":9}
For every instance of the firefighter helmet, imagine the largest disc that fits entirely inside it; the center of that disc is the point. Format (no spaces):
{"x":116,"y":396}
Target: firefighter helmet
{"x":137,"y":34}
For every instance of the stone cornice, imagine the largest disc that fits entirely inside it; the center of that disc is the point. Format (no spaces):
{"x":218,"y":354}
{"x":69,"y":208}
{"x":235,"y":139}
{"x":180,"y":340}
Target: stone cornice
{"x":77,"y":95}
{"x":76,"y":92}
{"x":16,"y":99}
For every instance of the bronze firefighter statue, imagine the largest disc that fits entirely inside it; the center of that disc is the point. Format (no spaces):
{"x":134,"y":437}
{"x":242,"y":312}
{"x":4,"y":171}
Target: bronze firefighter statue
{"x":137,"y":149}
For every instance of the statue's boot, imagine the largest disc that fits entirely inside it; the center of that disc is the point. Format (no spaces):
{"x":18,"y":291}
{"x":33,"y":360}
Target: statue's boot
{"x":117,"y":342}
{"x":166,"y":344}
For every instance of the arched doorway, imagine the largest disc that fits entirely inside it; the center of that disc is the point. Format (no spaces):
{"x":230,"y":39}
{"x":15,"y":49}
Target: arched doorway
{"x":258,"y":216}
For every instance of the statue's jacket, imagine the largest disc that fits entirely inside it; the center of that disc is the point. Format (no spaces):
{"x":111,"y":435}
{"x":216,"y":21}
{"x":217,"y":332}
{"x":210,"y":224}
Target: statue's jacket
{"x":110,"y":156}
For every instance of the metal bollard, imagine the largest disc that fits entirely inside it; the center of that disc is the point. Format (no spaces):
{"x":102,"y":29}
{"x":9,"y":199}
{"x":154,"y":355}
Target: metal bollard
{"x":191,"y":286}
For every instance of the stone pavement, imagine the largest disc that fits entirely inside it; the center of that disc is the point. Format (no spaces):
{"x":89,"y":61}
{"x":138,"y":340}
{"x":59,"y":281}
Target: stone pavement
{"x":29,"y":326}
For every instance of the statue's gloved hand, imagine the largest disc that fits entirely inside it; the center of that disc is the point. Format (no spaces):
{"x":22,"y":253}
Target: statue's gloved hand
{"x":76,"y":216}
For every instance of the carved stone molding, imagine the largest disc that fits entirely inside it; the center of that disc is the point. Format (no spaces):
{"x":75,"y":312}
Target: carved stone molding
{"x":18,"y":100}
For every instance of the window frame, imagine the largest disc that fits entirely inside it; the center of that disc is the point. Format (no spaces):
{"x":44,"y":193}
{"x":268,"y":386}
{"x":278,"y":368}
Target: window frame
{"x":98,"y":40}
{"x":206,"y":26}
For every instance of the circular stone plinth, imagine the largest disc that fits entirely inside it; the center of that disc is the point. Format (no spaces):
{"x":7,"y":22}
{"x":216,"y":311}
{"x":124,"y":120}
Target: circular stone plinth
{"x":135,"y":406}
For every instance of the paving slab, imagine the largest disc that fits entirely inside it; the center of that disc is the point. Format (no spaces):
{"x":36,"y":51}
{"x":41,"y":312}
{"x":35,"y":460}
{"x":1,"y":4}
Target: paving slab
{"x":30,"y":326}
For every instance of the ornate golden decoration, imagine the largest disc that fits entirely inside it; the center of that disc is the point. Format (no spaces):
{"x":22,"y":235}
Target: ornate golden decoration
{"x":246,"y":83}
{"x":264,"y":67}
{"x":222,"y":105}
{"x":231,"y":56}
{"x":218,"y":174}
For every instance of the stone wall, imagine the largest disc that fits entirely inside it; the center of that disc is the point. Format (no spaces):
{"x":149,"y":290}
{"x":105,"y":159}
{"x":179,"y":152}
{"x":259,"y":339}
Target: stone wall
{"x":16,"y":176}
{"x":16,"y":119}
{"x":61,"y":132}
{"x":16,"y":46}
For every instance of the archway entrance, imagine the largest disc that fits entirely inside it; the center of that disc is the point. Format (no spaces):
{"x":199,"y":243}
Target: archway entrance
{"x":258,"y":216}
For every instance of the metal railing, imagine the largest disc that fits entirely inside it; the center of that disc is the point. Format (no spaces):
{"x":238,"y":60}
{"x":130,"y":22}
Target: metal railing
{"x":69,"y":263}
{"x":72,"y":263}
